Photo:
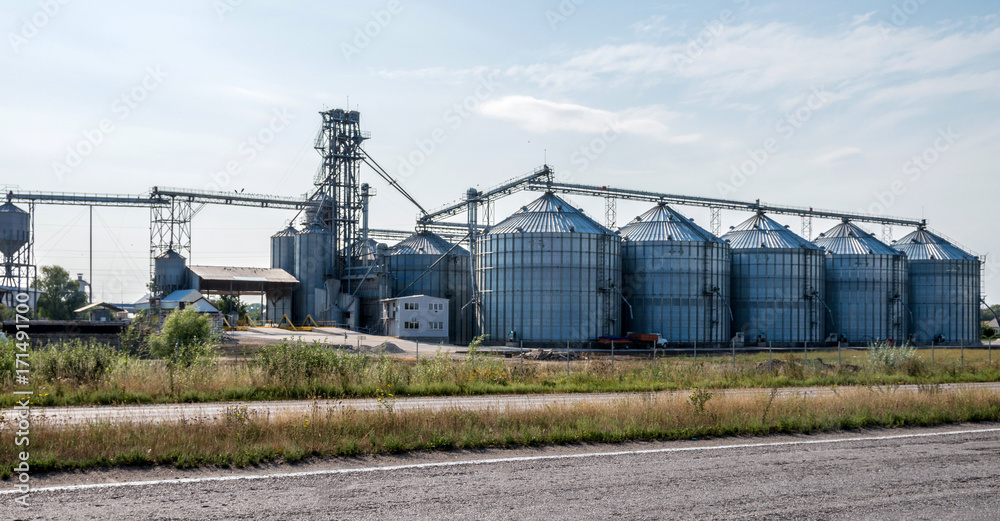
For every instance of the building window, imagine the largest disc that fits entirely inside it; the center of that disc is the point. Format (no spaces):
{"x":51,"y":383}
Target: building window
{"x":411,"y":306}
{"x":437,"y":306}
{"x":411,"y":325}
{"x":437,"y":326}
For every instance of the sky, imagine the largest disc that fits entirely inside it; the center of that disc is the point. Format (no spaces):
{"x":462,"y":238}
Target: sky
{"x":883,"y":107}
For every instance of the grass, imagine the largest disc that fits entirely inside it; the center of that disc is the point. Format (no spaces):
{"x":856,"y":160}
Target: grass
{"x":243,"y":438}
{"x":81,"y":374}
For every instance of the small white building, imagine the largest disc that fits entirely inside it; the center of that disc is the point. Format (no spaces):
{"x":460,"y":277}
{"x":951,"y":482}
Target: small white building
{"x":419,"y":317}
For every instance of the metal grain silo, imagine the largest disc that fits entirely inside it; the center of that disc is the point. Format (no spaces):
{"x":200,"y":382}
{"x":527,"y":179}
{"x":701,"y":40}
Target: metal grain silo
{"x":283,"y":250}
{"x":312,"y":263}
{"x":778,"y":283}
{"x":866,"y":286}
{"x":170,"y":272}
{"x":675,"y":276}
{"x":279,"y":304}
{"x":944,"y":289}
{"x":550,"y":274}
{"x":409,"y":264}
{"x":15,"y":229}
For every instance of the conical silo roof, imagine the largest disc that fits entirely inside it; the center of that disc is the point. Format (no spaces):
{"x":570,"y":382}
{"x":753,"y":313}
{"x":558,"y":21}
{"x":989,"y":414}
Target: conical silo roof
{"x":663,"y":223}
{"x":170,"y":254}
{"x":426,"y":243}
{"x":549,"y":214}
{"x":924,"y":245}
{"x":760,"y":231}
{"x":848,"y":238}
{"x":287,"y":232}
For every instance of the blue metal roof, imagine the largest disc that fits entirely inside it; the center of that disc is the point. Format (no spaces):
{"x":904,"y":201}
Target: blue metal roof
{"x":549,"y":214}
{"x":848,"y":238}
{"x":426,"y":243}
{"x":663,"y":223}
{"x":760,"y":231}
{"x":924,"y":245}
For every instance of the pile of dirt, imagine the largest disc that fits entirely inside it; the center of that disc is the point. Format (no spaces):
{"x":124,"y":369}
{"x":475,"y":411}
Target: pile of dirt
{"x":550,"y":354}
{"x":384,"y":347}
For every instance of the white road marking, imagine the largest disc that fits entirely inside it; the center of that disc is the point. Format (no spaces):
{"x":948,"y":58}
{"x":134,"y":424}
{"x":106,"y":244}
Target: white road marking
{"x":492,"y":461}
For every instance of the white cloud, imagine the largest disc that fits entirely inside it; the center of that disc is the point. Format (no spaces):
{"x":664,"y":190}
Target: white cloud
{"x":836,"y":156}
{"x":750,"y":59}
{"x":860,"y":19}
{"x":538,"y":115}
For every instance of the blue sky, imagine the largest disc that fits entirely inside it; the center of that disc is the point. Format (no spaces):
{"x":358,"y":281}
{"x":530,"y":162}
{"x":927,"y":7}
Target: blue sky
{"x":879,"y":107}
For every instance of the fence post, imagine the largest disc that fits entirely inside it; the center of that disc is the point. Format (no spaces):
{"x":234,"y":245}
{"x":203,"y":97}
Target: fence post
{"x":963,"y":355}
{"x":418,"y":352}
{"x":770,"y":358}
{"x":696,"y":353}
{"x":991,"y":352}
{"x":612,"y":358}
{"x":805,"y":353}
{"x":932,"y":354}
{"x":839,"y":363}
{"x":521,"y":349}
{"x":734,"y":353}
{"x":567,"y":359}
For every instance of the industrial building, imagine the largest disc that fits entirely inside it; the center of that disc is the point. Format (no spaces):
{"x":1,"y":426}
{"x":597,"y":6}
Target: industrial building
{"x":417,"y":317}
{"x":549,"y":274}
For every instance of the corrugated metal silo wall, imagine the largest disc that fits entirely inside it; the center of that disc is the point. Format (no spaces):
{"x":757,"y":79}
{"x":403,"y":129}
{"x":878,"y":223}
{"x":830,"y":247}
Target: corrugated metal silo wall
{"x":311,"y":263}
{"x":170,"y":273}
{"x":769,"y":288}
{"x":450,"y":279}
{"x":283,"y":253}
{"x":678,"y":289}
{"x":868,"y":296}
{"x":944,"y":300}
{"x":550,"y":287}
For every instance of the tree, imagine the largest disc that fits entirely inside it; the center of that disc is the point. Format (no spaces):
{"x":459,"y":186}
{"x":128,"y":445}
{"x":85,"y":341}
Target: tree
{"x":7,"y":313}
{"x":987,"y":314}
{"x":255,"y":311}
{"x":61,"y":296}
{"x":229,"y":304}
{"x":183,"y":340}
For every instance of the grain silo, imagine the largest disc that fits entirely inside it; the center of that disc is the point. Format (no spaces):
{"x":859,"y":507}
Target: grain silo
{"x":675,"y":276}
{"x":944,"y":289}
{"x":283,"y":257}
{"x":866,"y":286}
{"x":283,"y":250}
{"x":169,"y":272}
{"x":778,"y":283}
{"x":312,"y":264}
{"x":15,"y":229}
{"x":550,"y":275}
{"x":410,"y":273}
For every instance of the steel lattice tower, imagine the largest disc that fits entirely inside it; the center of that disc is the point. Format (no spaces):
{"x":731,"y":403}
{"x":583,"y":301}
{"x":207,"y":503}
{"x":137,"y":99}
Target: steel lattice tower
{"x":339,"y":180}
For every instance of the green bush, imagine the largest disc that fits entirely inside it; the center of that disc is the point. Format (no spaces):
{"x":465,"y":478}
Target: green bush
{"x":7,"y":360}
{"x":184,"y":339}
{"x":77,"y":362}
{"x":293,"y":363}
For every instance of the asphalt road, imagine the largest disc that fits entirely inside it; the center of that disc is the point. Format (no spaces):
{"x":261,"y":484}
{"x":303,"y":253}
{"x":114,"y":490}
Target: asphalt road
{"x":213,"y":411}
{"x":941,"y":473}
